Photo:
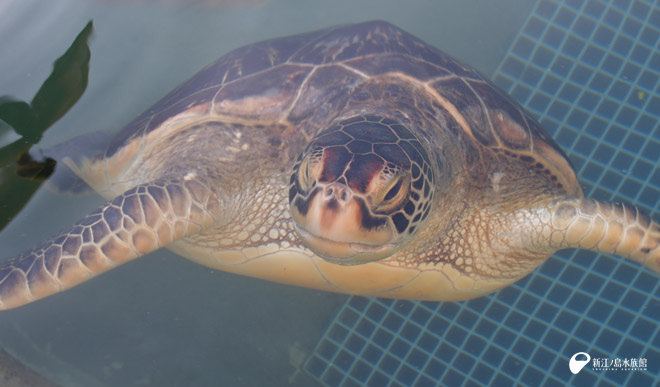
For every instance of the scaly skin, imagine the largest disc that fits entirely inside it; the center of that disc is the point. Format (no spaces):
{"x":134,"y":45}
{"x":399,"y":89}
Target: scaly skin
{"x":141,"y":220}
{"x":153,"y":215}
{"x":612,"y":228}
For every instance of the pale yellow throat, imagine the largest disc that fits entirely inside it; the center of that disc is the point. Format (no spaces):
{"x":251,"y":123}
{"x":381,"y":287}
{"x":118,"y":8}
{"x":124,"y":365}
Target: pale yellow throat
{"x":333,"y":228}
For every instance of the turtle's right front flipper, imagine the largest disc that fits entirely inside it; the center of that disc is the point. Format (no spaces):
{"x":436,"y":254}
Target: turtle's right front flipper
{"x":141,"y":220}
{"x":612,"y":228}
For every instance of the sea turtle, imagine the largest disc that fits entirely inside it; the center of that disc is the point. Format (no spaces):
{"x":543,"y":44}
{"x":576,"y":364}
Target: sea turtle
{"x":355,"y":159}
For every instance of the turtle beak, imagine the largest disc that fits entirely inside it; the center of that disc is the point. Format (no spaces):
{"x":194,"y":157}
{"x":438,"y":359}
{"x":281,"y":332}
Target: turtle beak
{"x":338,"y":227}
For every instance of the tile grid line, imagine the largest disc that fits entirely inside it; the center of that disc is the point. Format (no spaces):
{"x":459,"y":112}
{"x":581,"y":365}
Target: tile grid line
{"x":545,"y":112}
{"x":608,"y":166}
{"x":541,"y":297}
{"x":595,"y":69}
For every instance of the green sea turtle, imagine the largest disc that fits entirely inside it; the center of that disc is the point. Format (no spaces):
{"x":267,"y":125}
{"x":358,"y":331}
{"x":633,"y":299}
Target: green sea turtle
{"x":355,"y":159}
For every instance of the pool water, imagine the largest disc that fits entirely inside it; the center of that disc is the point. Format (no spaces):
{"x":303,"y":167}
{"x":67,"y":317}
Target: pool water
{"x":590,"y":71}
{"x":587,"y":69}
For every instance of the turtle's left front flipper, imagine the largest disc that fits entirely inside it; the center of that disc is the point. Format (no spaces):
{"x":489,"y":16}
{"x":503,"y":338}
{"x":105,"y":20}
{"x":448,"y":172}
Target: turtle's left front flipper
{"x":139,"y":221}
{"x":612,"y":228}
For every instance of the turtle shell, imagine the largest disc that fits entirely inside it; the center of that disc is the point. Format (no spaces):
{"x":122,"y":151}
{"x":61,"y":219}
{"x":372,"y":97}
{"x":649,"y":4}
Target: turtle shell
{"x":306,"y":78}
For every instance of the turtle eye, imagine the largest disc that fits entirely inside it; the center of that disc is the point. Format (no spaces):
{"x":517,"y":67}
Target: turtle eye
{"x":303,"y":175}
{"x":309,"y":171}
{"x":395,"y":193}
{"x":391,"y":194}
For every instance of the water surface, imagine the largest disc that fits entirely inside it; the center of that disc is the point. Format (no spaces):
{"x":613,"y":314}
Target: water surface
{"x":162,"y":320}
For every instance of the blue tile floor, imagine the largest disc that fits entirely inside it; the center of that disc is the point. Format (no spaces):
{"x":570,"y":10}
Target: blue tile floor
{"x":590,"y":71}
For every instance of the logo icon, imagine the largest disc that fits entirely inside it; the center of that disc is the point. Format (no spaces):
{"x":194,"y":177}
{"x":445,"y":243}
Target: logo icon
{"x":576,"y":365}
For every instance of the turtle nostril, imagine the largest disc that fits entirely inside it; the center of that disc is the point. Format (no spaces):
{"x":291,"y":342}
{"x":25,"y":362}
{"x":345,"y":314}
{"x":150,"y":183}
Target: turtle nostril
{"x":339,"y":193}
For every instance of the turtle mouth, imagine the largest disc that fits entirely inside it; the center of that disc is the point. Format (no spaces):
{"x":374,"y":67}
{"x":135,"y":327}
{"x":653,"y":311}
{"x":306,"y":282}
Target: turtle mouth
{"x":344,"y":252}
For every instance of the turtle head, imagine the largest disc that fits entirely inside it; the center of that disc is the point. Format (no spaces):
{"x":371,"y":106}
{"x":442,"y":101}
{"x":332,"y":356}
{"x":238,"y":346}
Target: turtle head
{"x":360,"y":189}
